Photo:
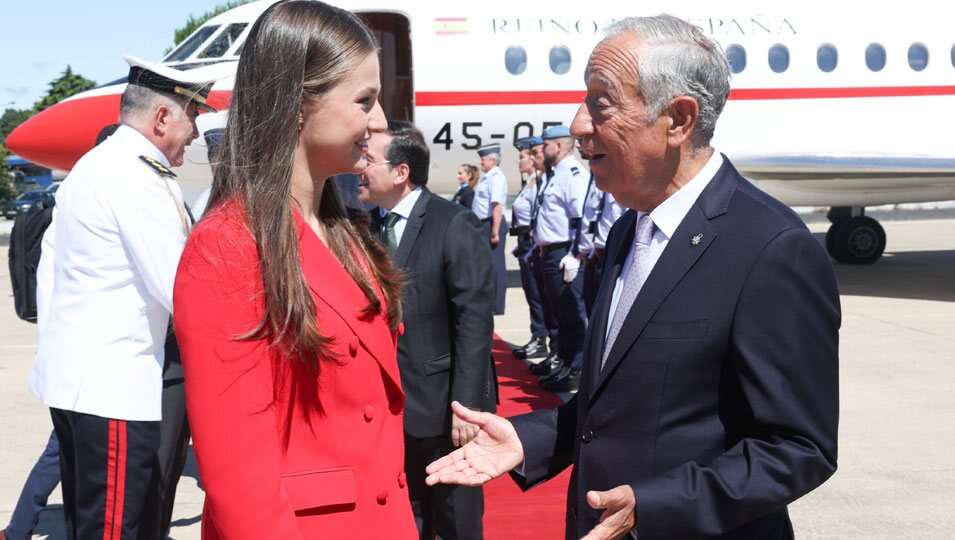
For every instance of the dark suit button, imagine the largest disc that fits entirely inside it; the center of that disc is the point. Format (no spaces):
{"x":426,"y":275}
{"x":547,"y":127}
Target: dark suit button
{"x":586,"y":436}
{"x":382,"y":495}
{"x":353,"y":345}
{"x":401,"y":329}
{"x":369,"y":413}
{"x":402,"y":479}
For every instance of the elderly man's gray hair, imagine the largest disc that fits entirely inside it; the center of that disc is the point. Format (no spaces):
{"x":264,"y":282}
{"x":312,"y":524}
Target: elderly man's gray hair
{"x":495,"y":156}
{"x":676,"y":59}
{"x":138,"y":101}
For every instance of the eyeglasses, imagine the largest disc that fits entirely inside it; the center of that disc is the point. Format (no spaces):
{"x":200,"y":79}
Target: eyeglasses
{"x":374,"y":164}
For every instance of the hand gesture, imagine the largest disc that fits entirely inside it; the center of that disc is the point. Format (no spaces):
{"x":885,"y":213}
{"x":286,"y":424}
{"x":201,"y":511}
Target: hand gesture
{"x":618,"y":518}
{"x":494,"y":451}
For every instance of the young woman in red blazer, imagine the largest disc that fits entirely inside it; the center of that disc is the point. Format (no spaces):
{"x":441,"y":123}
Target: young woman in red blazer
{"x":285,"y":310}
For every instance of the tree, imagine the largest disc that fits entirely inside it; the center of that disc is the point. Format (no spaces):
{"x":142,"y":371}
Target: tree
{"x":7,"y":191}
{"x":11,"y":119}
{"x":62,"y":87}
{"x":195,"y":22}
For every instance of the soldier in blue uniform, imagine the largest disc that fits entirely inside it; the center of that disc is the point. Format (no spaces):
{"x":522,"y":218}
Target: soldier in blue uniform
{"x":522,"y":210}
{"x":490,"y":197}
{"x":601,"y":211}
{"x":556,"y":228}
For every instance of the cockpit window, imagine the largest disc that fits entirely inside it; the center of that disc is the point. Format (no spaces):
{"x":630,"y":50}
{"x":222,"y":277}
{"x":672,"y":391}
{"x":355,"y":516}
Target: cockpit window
{"x":224,"y":41}
{"x":190,"y":45}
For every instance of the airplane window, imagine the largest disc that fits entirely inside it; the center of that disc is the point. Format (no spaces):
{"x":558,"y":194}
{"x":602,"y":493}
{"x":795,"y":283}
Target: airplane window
{"x":827,"y":57}
{"x":559,"y":59}
{"x":953,"y":55}
{"x":918,"y":56}
{"x":778,"y":58}
{"x":224,"y":41}
{"x":875,"y":57}
{"x":736,"y":56}
{"x":515,"y":59}
{"x":190,"y":45}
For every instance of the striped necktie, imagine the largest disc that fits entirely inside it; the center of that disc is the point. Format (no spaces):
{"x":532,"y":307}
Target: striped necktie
{"x":636,"y":276}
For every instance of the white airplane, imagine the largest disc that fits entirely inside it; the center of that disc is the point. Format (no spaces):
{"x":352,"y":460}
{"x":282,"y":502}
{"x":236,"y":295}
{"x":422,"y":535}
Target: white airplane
{"x":833,"y":104}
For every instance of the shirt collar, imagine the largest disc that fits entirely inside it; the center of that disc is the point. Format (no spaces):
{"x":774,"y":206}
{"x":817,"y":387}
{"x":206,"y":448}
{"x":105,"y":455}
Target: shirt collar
{"x":566,"y":163}
{"x":139,"y":144}
{"x":668,"y":215}
{"x":405,"y":205}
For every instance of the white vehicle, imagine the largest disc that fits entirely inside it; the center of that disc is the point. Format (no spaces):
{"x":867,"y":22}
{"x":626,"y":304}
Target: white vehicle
{"x":834,"y":104}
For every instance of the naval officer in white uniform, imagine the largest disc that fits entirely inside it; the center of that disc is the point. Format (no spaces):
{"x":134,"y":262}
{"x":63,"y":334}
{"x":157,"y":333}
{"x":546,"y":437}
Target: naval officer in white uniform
{"x":106,"y":277}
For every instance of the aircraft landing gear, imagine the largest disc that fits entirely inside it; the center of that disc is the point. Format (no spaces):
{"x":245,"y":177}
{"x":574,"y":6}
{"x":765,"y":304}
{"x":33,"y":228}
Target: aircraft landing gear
{"x":854,"y":238}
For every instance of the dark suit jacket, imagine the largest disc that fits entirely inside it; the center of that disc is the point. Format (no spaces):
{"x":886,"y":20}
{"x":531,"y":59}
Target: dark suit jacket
{"x":445,"y":352}
{"x":718,"y":403}
{"x":464,"y":197}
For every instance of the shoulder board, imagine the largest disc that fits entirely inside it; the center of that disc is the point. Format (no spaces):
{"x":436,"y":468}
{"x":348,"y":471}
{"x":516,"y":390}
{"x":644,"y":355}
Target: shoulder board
{"x":575,"y":170}
{"x":160,"y":169}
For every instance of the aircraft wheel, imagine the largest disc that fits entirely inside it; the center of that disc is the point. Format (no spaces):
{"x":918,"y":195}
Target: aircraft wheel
{"x":857,"y":240}
{"x":831,"y":240}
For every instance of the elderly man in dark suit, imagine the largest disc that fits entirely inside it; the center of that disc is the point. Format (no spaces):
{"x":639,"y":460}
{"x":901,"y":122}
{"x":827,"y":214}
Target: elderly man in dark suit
{"x":445,"y":352}
{"x":709,"y":396}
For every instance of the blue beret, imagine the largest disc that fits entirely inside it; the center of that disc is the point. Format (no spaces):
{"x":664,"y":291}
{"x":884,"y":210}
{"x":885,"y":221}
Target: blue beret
{"x":524,"y":143}
{"x":556,"y":132}
{"x":536,"y":140}
{"x":489,"y":149}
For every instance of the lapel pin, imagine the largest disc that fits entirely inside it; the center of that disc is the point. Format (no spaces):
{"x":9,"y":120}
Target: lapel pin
{"x":696,"y":239}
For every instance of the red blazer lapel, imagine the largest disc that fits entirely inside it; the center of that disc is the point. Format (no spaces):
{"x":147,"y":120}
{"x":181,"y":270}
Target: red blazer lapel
{"x":331,"y":283}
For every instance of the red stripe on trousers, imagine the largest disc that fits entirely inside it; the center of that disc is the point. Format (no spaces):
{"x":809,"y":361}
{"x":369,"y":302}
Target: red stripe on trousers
{"x":120,"y":481}
{"x":110,"y":480}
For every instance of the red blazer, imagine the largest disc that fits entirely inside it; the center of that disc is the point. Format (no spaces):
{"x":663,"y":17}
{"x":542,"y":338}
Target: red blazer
{"x":283,"y":452}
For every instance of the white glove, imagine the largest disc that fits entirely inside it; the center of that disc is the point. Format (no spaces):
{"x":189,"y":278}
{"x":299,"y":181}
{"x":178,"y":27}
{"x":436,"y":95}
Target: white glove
{"x":570,"y":265}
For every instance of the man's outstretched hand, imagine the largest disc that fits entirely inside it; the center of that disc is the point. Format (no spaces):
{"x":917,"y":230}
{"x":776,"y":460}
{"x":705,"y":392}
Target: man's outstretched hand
{"x":494,"y":451}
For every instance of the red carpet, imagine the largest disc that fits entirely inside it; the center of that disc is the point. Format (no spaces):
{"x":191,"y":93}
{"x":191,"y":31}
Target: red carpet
{"x":509,"y":513}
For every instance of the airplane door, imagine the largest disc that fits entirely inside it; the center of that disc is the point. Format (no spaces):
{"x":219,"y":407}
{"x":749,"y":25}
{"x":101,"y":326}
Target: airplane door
{"x":393,"y":32}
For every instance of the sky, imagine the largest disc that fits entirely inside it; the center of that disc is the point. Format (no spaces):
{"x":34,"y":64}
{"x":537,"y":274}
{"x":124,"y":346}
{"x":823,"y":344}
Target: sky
{"x":39,"y":38}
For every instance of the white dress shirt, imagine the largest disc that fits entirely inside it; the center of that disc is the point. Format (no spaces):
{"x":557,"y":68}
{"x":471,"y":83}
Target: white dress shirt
{"x":666,"y":218}
{"x":523,"y":206}
{"x":563,"y":200}
{"x":403,"y":209}
{"x":105,"y":282}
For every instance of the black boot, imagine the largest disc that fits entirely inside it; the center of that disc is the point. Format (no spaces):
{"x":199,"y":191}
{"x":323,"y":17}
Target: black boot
{"x":535,"y":348}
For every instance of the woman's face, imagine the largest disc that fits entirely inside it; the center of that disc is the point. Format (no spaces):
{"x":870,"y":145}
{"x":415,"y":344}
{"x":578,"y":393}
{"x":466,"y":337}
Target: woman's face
{"x":463,"y":175}
{"x":337,"y":125}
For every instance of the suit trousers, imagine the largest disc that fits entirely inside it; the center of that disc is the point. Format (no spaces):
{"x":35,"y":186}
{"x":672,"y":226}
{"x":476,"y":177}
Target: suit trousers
{"x":41,"y":482}
{"x":448,"y":511}
{"x":110,"y":474}
{"x":570,"y":312}
{"x":173,"y":434}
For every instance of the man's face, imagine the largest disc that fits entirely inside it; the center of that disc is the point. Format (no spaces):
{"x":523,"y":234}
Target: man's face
{"x":377,"y":181}
{"x":180,"y":131}
{"x":537,"y":156}
{"x":551,"y":151}
{"x":487,"y":163}
{"x":625,"y":148}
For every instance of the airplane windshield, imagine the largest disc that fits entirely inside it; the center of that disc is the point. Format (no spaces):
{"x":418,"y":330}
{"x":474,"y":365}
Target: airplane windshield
{"x":224,"y":41}
{"x":190,"y":45}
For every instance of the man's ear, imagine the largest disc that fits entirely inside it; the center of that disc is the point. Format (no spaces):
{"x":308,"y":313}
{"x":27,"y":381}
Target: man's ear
{"x":404,"y":172}
{"x":162,"y":116}
{"x":683,"y":113}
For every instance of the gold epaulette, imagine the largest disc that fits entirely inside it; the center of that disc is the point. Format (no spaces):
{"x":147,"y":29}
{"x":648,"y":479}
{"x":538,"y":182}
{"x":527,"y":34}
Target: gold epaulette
{"x":161,"y":169}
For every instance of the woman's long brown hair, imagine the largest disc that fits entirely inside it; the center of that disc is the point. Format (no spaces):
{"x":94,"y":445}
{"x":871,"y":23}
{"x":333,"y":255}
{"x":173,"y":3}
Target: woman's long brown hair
{"x":295,"y":53}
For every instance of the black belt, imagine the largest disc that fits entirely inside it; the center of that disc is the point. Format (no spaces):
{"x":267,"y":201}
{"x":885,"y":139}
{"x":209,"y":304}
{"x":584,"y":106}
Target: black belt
{"x":554,"y":247}
{"x":485,"y":220}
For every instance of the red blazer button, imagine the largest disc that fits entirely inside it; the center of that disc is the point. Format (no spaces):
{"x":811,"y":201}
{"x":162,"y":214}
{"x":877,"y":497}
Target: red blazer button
{"x":353,"y":345}
{"x":369,"y":413}
{"x":401,"y":329}
{"x":382,"y":495}
{"x":395,"y":406}
{"x":401,"y":480}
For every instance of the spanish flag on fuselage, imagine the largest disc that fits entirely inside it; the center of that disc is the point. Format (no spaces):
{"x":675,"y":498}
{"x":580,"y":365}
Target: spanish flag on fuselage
{"x":450,"y":26}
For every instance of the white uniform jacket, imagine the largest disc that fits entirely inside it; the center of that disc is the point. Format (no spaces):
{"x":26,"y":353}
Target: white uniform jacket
{"x":105,"y":283}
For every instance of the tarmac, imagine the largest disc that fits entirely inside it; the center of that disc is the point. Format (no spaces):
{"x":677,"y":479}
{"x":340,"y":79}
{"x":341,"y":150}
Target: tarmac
{"x":896,"y":476}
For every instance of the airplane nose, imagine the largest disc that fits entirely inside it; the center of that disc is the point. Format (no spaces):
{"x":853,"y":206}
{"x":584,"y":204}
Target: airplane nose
{"x":60,"y":135}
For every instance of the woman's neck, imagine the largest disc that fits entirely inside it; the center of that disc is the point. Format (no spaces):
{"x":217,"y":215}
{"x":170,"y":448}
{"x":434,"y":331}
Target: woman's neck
{"x":307,"y":197}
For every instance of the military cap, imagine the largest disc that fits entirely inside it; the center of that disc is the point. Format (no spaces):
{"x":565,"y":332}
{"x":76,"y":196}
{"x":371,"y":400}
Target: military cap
{"x":556,"y":132}
{"x":526,"y":143}
{"x":169,"y":81}
{"x":489,"y":149}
